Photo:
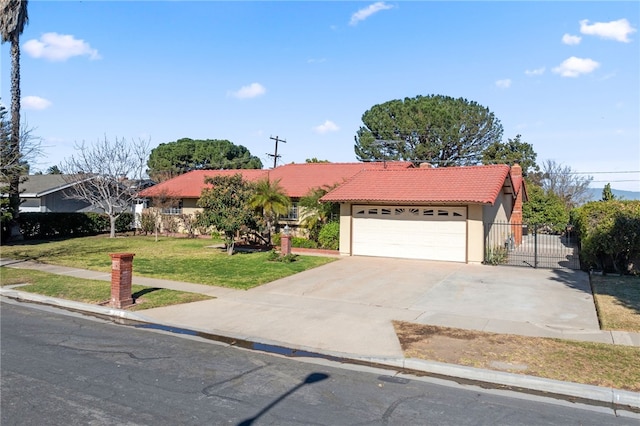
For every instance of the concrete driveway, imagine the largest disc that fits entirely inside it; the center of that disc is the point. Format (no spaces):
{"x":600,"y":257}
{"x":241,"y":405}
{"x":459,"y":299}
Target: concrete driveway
{"x":348,"y":306}
{"x":452,"y":294}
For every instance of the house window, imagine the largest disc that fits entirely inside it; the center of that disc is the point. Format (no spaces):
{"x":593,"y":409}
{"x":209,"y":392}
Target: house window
{"x":293,"y":212}
{"x":428,"y":212}
{"x":175,"y":210}
{"x":385,"y":211}
{"x":443,"y":213}
{"x":373,"y":211}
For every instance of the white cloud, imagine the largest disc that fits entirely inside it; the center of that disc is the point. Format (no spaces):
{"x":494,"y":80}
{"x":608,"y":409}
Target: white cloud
{"x":537,"y":71}
{"x":35,"y":103}
{"x":326,"y":127}
{"x":363,"y":14}
{"x":615,"y":30}
{"x":504,"y":84}
{"x":251,"y":91}
{"x":316,"y":60}
{"x":59,"y":47}
{"x":573,"y":67}
{"x":571,"y":39}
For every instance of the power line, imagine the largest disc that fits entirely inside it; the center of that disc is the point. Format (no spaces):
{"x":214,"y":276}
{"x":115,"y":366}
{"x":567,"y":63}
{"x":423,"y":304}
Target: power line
{"x":614,"y":181}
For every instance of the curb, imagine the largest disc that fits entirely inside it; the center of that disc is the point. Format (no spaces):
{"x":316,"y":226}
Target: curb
{"x":616,"y":399}
{"x":70,"y":304}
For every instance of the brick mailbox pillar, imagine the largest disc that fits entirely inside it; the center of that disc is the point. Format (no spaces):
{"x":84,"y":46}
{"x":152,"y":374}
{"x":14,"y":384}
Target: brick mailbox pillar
{"x":121,"y":274}
{"x":285,"y":242}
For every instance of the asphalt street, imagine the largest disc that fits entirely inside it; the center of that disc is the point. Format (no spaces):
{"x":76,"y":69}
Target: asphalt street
{"x":63,"y":368}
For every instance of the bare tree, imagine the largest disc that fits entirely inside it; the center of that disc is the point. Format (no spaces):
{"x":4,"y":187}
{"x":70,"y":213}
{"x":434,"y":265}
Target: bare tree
{"x":106,"y":175}
{"x":560,"y":180}
{"x":14,"y":167}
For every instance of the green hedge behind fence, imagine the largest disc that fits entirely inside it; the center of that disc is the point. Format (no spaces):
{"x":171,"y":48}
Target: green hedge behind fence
{"x":36,"y":226}
{"x":609,"y":233}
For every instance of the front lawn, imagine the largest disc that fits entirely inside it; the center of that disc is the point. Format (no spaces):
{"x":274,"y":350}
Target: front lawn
{"x":91,"y":291}
{"x":178,"y":259}
{"x":618,"y":301}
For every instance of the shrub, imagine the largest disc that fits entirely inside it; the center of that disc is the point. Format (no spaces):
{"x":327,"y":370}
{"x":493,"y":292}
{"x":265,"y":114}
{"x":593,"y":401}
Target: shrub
{"x":329,"y":237}
{"x":124,"y":222}
{"x":300,"y":242}
{"x":99,"y":222}
{"x":147,"y":222}
{"x":275,"y":256}
{"x":36,"y":225}
{"x":496,"y":256}
{"x":609,"y":234}
{"x":169,"y":224}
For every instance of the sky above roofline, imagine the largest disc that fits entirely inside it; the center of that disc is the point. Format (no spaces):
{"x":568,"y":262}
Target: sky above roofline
{"x":564,"y":75}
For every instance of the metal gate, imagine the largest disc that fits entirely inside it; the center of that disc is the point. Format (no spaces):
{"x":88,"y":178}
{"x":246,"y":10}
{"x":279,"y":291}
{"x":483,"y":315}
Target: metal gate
{"x":532,"y":245}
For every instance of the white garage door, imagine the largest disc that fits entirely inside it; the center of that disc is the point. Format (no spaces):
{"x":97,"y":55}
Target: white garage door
{"x":433,"y":233}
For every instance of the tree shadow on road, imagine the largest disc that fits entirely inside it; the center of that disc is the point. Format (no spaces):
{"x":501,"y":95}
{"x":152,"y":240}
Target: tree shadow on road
{"x":310,"y":379}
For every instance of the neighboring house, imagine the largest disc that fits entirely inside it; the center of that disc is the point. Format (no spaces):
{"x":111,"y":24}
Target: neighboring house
{"x":392,"y":209}
{"x":47,"y":193}
{"x":428,"y":213}
{"x":52,"y":194}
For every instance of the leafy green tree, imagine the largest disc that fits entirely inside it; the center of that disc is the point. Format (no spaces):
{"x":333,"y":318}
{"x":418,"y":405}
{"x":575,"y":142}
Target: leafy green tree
{"x":171,"y":159}
{"x":544,"y":208}
{"x":511,"y":152}
{"x":437,"y":129}
{"x":315,"y":160}
{"x":607,"y":194}
{"x":271,"y":200}
{"x":316,"y":214}
{"x":54,"y":170}
{"x":13,"y":19}
{"x":226,"y":206}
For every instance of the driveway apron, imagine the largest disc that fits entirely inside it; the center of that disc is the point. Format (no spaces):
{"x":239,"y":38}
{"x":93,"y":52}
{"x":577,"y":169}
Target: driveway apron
{"x":348,"y":306}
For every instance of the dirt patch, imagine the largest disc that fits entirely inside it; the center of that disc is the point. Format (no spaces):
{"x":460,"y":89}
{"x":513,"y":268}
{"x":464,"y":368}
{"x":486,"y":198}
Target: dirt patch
{"x":580,"y":362}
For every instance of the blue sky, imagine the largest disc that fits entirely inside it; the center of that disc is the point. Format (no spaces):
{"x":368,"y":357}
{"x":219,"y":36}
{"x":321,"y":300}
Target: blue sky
{"x":564,"y":75}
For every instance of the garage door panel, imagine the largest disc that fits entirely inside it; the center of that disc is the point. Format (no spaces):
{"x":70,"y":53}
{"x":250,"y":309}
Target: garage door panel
{"x":410,"y":236}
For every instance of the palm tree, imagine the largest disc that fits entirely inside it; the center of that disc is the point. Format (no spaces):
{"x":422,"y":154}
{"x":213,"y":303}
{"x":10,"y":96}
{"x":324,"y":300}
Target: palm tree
{"x":13,"y":19}
{"x":316,"y":214}
{"x":272,"y":199}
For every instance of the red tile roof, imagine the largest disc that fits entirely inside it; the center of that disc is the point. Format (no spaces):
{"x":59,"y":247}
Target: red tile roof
{"x":296,"y":179}
{"x":472,"y":184}
{"x":191,"y":184}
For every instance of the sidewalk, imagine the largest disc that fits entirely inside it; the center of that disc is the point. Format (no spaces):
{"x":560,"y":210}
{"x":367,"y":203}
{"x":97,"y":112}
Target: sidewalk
{"x":314,"y":322}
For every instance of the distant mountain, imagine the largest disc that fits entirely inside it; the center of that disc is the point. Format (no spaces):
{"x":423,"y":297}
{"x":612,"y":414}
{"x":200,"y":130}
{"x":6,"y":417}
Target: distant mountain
{"x":596,"y":194}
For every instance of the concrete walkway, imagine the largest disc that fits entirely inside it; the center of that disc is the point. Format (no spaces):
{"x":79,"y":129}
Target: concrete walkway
{"x":346,"y":308}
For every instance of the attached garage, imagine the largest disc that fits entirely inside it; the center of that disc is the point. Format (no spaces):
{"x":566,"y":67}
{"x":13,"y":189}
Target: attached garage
{"x":426,"y":213}
{"x":412,"y":232}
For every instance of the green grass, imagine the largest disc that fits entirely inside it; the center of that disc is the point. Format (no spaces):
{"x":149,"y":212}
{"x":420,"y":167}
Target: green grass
{"x":91,"y":291}
{"x":179,"y":259}
{"x":618,"y":301}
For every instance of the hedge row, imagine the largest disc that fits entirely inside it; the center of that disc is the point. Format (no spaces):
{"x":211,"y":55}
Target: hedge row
{"x":609,"y":233}
{"x":36,"y":226}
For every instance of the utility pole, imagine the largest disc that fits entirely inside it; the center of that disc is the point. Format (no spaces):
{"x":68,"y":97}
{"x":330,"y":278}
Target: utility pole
{"x":275,"y":155}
